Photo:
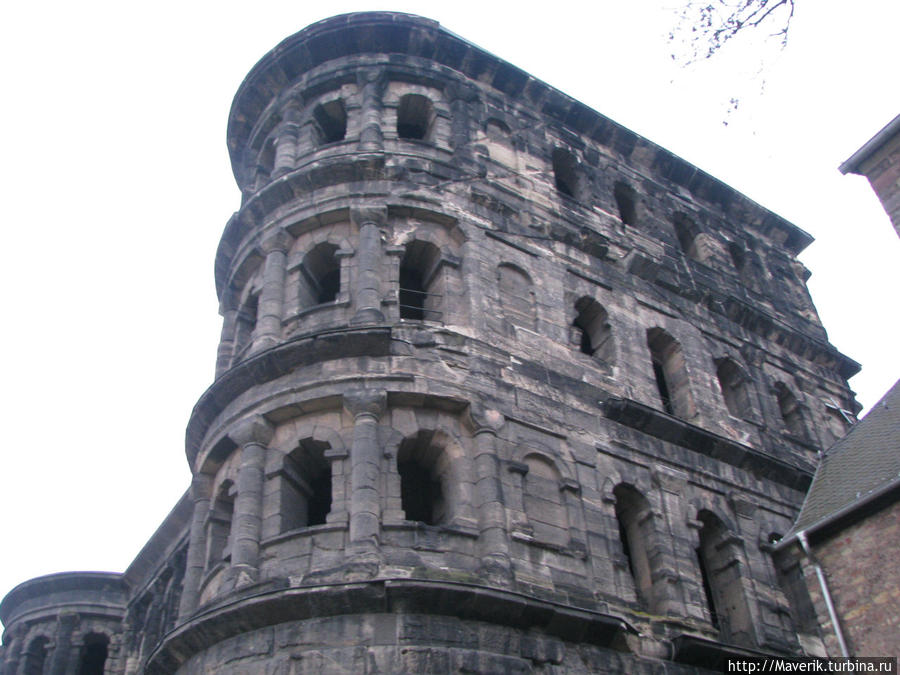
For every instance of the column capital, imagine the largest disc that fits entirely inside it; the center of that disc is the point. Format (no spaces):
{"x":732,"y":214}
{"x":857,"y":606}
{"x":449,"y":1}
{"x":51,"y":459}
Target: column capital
{"x":484,"y":420}
{"x":372,"y":402}
{"x":364,"y":215}
{"x":252,"y":430}
{"x":277,"y":240}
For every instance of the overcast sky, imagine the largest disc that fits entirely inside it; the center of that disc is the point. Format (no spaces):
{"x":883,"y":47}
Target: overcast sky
{"x":117,"y":185}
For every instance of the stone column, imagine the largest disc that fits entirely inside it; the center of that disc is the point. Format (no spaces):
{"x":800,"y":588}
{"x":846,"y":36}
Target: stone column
{"x":226,"y":341}
{"x":271,"y":298}
{"x":461,"y":97}
{"x":201,"y":493}
{"x":366,"y":406}
{"x":62,"y":655}
{"x":368,"y":262}
{"x":371,"y":84}
{"x":493,"y":537}
{"x":14,"y":651}
{"x":253,"y":436}
{"x":286,"y":143}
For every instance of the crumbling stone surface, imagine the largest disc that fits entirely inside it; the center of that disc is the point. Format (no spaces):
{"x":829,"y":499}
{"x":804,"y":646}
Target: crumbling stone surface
{"x":502,"y":387}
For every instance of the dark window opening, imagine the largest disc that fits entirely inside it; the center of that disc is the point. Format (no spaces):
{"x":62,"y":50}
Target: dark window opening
{"x":331,"y":121}
{"x":790,"y":410}
{"x":412,"y":294}
{"x":596,"y":334}
{"x":663,"y":387}
{"x":626,"y":545}
{"x":420,"y":284}
{"x":246,"y":322}
{"x":319,"y":505}
{"x":688,"y":237}
{"x":267,"y":158}
{"x":414,"y":113}
{"x":635,"y":535}
{"x":626,"y":202}
{"x":321,"y":271}
{"x":305,"y":490}
{"x":35,"y":656}
{"x":708,"y":591}
{"x":738,"y":256}
{"x":93,"y":655}
{"x":565,"y":173}
{"x":421,"y":465}
{"x":219,"y":533}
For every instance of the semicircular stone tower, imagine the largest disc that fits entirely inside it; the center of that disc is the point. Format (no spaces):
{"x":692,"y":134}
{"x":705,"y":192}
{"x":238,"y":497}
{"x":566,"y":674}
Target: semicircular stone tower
{"x":502,"y":387}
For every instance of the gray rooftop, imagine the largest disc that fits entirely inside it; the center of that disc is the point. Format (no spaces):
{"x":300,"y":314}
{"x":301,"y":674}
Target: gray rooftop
{"x":859,"y":467}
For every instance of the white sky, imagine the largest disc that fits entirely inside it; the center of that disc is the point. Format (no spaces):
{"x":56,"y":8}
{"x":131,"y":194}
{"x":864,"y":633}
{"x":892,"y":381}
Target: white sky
{"x":117,"y":185}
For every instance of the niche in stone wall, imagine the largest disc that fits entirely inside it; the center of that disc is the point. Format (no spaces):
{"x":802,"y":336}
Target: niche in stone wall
{"x":543,"y":501}
{"x":635,"y":534}
{"x":734,"y":384}
{"x":626,"y":202}
{"x":420,"y":292}
{"x":720,"y":567}
{"x":690,"y":238}
{"x":35,"y":656}
{"x":789,"y":407}
{"x":218,"y":536}
{"x":566,"y":174}
{"x":670,"y":373}
{"x":516,"y":296}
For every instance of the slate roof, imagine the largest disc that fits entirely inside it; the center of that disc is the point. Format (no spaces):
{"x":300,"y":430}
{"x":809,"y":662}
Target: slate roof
{"x":860,"y":466}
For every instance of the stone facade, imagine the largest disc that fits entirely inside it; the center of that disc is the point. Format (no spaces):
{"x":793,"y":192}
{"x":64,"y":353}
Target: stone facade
{"x":502,"y":387}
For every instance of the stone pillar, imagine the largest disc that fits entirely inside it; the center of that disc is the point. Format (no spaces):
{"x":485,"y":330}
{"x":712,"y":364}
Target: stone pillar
{"x":226,"y":341}
{"x":62,"y":655}
{"x":286,"y":143}
{"x":253,"y":436}
{"x":461,"y":97}
{"x":368,"y":263}
{"x":201,"y":493}
{"x":371,"y":84}
{"x":366,"y":406}
{"x":493,"y":537}
{"x":13,"y":651}
{"x":271,"y":298}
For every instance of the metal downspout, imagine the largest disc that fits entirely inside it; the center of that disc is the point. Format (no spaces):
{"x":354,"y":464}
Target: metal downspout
{"x":804,"y":544}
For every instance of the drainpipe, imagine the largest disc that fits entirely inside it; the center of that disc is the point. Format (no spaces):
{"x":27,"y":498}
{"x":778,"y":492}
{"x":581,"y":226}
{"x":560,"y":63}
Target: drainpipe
{"x":804,"y":544}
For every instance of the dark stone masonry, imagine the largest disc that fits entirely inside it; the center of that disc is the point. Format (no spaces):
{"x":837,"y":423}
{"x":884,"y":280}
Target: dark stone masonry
{"x":502,"y":388}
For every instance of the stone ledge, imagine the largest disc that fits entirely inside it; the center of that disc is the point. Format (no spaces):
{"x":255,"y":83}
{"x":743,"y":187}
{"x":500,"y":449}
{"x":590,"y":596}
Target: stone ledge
{"x":706,"y":653}
{"x":381,"y":596}
{"x":673,"y":430}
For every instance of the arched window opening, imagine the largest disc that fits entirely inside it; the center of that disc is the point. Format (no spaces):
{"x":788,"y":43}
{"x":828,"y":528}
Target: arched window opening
{"x":790,"y":579}
{"x":543,"y":501}
{"x":626,"y":202}
{"x":414,"y":116}
{"x":331,"y":121}
{"x":738,"y":256}
{"x":93,"y":654}
{"x":422,"y":466}
{"x":321,"y":271}
{"x":632,"y":513}
{"x":419,"y":296}
{"x":306,"y":486}
{"x":266,"y":162}
{"x":733,"y":383}
{"x":688,"y":234}
{"x":596,"y":334}
{"x":719,"y":565}
{"x":516,"y":296}
{"x":670,"y":372}
{"x":35,"y":656}
{"x":566,"y":174}
{"x":789,"y":407}
{"x":219,"y":527}
{"x":246,"y":322}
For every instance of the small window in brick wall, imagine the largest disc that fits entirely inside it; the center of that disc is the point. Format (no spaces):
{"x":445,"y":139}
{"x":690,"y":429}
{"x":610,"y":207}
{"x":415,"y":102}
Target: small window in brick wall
{"x":219,"y":526}
{"x":414,"y":117}
{"x":321,"y":272}
{"x":789,"y":407}
{"x":592,"y":321}
{"x":633,"y":515}
{"x":306,"y":486}
{"x":419,"y":295}
{"x":733,"y":383}
{"x":688,"y":234}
